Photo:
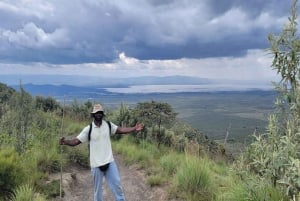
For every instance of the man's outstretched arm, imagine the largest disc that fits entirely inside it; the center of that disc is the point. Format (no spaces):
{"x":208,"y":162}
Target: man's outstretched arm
{"x":125,"y":130}
{"x":70,"y":142}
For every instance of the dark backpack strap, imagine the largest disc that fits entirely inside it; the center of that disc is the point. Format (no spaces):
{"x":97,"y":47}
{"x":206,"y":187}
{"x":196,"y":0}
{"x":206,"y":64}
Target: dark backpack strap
{"x":90,"y":131}
{"x":89,"y":135}
{"x":109,"y":125}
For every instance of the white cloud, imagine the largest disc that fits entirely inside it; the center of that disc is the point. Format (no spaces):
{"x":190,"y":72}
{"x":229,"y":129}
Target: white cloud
{"x":127,"y":60}
{"x":35,"y":37}
{"x":256,"y":65}
{"x":26,"y":8}
{"x":266,"y":20}
{"x":234,"y":19}
{"x":237,"y":21}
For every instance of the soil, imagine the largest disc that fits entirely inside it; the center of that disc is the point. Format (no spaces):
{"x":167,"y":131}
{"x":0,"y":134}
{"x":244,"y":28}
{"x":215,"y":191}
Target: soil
{"x":77,"y":185}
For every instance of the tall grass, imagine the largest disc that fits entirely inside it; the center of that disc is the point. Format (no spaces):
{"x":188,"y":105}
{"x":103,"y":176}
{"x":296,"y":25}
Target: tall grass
{"x":11,"y":172}
{"x":27,"y":193}
{"x":170,"y":163}
{"x":40,"y":159}
{"x":145,"y":155}
{"x":133,"y":154}
{"x":195,"y":179}
{"x":252,"y":189}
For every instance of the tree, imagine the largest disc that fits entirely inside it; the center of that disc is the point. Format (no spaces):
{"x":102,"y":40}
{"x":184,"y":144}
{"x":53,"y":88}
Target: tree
{"x":155,"y":114}
{"x":48,"y":104}
{"x":275,"y":155}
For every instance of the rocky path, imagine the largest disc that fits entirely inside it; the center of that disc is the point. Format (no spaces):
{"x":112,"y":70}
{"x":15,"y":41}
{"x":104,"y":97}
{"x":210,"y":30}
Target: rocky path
{"x":78,"y":186}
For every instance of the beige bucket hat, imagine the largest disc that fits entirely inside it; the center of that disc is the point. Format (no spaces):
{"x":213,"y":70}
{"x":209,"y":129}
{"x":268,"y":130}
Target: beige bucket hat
{"x":97,"y":108}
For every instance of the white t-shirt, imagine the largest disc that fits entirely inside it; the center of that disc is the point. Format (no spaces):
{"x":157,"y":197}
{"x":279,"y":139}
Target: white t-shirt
{"x":100,"y":145}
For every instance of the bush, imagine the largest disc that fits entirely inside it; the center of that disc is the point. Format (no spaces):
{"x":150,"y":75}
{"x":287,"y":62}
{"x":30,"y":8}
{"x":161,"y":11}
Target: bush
{"x":51,"y":189}
{"x":27,"y":193}
{"x":155,"y":180}
{"x":48,"y":161}
{"x":274,"y":155}
{"x":194,"y":180}
{"x":11,"y":172}
{"x":253,"y":189}
{"x":170,"y":163}
{"x":78,"y":155}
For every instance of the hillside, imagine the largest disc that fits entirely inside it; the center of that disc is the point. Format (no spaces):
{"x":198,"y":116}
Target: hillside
{"x":168,"y":156}
{"x":5,"y":92}
{"x":212,"y":113}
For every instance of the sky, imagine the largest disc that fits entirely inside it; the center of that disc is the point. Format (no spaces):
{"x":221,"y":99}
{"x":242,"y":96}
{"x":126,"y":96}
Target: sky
{"x":218,"y":39}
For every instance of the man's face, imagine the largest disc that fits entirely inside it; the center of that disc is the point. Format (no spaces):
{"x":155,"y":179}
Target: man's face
{"x":98,"y":116}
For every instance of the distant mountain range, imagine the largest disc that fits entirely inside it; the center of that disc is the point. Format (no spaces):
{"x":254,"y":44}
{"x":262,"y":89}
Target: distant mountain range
{"x":76,"y":80}
{"x":91,"y":86}
{"x":61,"y":90}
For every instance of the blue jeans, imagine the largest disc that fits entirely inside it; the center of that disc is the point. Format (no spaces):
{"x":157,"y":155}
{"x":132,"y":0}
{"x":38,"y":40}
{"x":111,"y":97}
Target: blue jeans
{"x":113,"y":180}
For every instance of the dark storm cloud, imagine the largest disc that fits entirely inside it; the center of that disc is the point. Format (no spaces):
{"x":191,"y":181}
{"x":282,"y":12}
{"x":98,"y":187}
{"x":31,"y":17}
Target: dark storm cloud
{"x":82,"y":31}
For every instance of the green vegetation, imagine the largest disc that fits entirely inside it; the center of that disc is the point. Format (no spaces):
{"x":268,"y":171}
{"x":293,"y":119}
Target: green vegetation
{"x":27,"y":193}
{"x":211,"y":113}
{"x":10,"y":172}
{"x":275,"y":155}
{"x":168,"y":148}
{"x":195,"y":177}
{"x":31,"y":127}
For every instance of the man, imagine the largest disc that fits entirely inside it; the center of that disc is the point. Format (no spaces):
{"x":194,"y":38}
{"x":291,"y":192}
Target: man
{"x":101,"y":157}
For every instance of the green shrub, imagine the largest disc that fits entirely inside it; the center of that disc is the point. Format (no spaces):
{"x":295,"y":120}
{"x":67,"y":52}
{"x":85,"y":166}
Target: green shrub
{"x":11,"y":172}
{"x":27,"y":193}
{"x":253,"y":189}
{"x":30,"y":161}
{"x":155,"y":180}
{"x":5,"y":138}
{"x":131,"y":153}
{"x":170,"y":163}
{"x":194,"y":180}
{"x":48,"y":162}
{"x":152,"y":149}
{"x":237,"y":192}
{"x":52,"y":189}
{"x":78,"y":155}
{"x":275,"y":154}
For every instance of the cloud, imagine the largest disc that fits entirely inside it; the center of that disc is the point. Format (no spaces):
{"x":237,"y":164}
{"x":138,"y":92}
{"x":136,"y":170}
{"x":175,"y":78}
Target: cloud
{"x":255,"y":65}
{"x":116,"y":39}
{"x":127,"y":60}
{"x":89,"y":31}
{"x":31,"y":36}
{"x":26,"y":9}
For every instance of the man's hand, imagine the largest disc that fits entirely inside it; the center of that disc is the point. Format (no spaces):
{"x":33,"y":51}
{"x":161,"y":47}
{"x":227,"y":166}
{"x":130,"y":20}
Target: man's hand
{"x":125,"y":130}
{"x":62,"y":141}
{"x":139,"y":127}
{"x":70,"y":142}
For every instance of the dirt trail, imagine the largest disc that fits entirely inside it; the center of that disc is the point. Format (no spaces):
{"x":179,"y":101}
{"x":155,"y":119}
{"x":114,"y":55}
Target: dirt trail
{"x":78,"y":186}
